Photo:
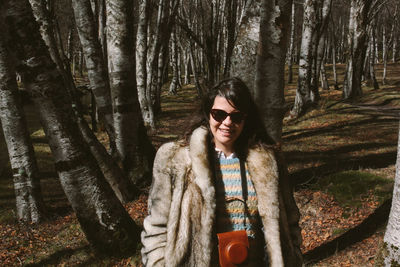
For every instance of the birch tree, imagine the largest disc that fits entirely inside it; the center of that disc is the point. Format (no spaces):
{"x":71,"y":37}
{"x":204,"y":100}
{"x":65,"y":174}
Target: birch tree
{"x":29,"y":201}
{"x":291,"y":46}
{"x":132,"y":143}
{"x":392,"y":234}
{"x":103,"y":219}
{"x":244,"y":53}
{"x":357,"y":42}
{"x":95,"y":64}
{"x":303,"y":91}
{"x":270,"y":65}
{"x":316,"y":14}
{"x":109,"y":167}
{"x":141,"y":61}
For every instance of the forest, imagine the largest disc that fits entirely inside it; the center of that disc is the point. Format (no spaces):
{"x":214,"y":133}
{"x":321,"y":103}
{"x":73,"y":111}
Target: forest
{"x":90,"y":89}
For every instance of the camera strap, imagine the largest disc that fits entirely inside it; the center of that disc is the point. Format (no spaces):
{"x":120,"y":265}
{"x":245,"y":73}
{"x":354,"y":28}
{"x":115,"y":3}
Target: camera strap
{"x":244,"y":188}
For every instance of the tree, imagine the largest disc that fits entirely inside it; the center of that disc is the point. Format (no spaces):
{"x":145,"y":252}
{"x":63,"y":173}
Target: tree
{"x":357,"y":44}
{"x":132,"y":144}
{"x":29,"y":201}
{"x":291,"y":46}
{"x":96,"y":67}
{"x":244,"y":53}
{"x":392,"y":234}
{"x":316,"y":14}
{"x":270,"y":65}
{"x":103,"y":219}
{"x":141,"y":60}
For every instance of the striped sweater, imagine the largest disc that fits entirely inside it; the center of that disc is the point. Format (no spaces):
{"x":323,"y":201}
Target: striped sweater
{"x":231,"y":211}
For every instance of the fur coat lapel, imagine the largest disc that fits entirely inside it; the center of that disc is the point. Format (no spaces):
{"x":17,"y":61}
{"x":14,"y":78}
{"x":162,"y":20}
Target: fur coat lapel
{"x":264,"y":174}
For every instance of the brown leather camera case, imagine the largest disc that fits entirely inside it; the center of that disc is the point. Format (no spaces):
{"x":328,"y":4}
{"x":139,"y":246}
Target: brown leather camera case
{"x":233,"y":248}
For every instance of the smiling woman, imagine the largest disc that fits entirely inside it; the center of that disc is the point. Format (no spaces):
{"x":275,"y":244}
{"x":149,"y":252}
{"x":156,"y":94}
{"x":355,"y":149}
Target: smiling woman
{"x":217,"y":198}
{"x":226,"y":124}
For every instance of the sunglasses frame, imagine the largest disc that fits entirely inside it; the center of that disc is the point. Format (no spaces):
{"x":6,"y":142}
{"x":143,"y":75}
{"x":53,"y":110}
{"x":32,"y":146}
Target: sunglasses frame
{"x":236,"y":120}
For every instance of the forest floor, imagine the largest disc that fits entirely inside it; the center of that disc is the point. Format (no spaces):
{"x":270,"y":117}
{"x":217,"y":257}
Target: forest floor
{"x":341,"y":157}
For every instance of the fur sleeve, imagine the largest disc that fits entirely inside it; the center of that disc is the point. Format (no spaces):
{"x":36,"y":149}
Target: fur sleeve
{"x":154,"y":235}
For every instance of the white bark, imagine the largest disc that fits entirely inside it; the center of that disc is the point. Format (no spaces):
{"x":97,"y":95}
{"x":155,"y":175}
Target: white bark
{"x":303,"y":92}
{"x":392,"y":234}
{"x":291,"y":46}
{"x":103,"y":219}
{"x":270,"y":65}
{"x":29,"y":201}
{"x":95,"y":64}
{"x":384,"y":55}
{"x":175,"y":82}
{"x":141,"y":61}
{"x":130,"y":139}
{"x":357,"y":42}
{"x":245,"y":50}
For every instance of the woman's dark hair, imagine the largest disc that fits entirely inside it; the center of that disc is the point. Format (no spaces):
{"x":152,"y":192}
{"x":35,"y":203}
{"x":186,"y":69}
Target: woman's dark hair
{"x":238,"y":95}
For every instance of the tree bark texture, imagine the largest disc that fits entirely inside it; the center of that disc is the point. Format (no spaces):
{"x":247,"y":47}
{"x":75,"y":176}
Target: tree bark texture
{"x":245,"y":50}
{"x":175,"y":82}
{"x":291,"y":46}
{"x":392,"y":234}
{"x":141,"y":61}
{"x":42,"y":16}
{"x":357,"y":43}
{"x":270,"y":65}
{"x":106,"y":224}
{"x":96,"y":67}
{"x":133,"y":145}
{"x":303,"y":92}
{"x":371,"y":64}
{"x":29,"y":201}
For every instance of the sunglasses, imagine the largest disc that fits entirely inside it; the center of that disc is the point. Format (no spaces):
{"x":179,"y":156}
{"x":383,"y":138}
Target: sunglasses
{"x":219,"y":115}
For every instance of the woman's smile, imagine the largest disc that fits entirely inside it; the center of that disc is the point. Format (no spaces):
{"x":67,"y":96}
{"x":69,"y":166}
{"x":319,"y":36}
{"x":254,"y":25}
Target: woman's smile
{"x":225,"y":132}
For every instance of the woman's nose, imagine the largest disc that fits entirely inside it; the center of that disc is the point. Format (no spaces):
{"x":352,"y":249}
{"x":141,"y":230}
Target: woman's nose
{"x":227,"y":120}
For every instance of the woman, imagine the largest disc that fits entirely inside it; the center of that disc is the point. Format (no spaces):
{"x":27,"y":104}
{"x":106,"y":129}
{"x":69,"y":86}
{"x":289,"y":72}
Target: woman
{"x":223,"y":179}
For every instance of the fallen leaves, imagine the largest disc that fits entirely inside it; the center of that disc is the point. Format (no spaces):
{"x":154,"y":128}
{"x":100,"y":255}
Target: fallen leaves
{"x":322,"y":219}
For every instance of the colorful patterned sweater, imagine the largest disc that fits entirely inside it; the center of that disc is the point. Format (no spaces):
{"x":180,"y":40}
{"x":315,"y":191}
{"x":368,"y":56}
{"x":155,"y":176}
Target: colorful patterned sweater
{"x":231,"y":211}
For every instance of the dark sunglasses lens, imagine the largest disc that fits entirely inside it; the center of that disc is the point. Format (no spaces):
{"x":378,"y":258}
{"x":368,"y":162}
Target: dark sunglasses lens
{"x":219,"y":115}
{"x":237,"y":117}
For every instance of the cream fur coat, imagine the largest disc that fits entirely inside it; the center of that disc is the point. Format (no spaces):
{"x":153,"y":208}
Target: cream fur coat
{"x":179,"y":230}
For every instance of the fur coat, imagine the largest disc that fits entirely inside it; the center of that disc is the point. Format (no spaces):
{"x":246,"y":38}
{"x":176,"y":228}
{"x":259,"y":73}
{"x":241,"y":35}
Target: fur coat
{"x":179,"y":230}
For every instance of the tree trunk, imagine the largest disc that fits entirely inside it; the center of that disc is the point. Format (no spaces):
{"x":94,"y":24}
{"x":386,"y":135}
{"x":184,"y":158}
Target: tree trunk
{"x":231,"y":21}
{"x":357,"y":46}
{"x":244,"y":54}
{"x":371,"y":66}
{"x":392,"y":234}
{"x":384,"y":55}
{"x":324,"y":79}
{"x":96,"y":68}
{"x":124,"y":190}
{"x":303,"y":92}
{"x":195,"y":71}
{"x":270,"y":66}
{"x":106,"y":224}
{"x":186,"y":64}
{"x":152,"y":59}
{"x":175,"y":82}
{"x":133,"y":146}
{"x":42,"y":16}
{"x":29,"y":201}
{"x":141,"y":61}
{"x":335,"y":80}
{"x":291,"y":46}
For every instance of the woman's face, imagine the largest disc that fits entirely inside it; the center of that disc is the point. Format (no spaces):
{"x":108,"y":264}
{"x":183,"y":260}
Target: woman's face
{"x":226,"y":131}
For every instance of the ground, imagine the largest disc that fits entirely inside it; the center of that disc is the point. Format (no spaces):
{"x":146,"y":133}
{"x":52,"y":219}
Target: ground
{"x":341,"y":157}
